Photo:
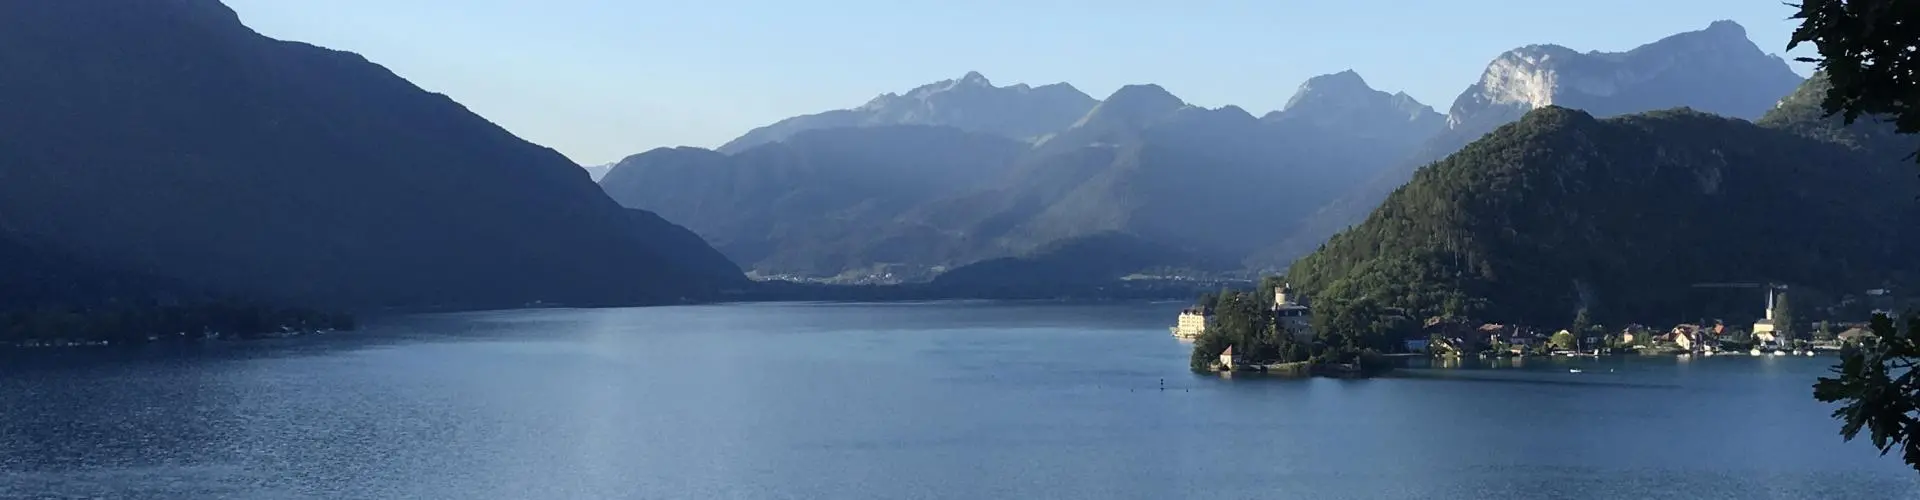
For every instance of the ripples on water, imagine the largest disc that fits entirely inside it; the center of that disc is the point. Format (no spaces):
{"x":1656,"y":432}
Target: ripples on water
{"x":940,"y":400}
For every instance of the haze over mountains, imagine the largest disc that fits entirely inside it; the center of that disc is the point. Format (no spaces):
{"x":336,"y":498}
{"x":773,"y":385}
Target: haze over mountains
{"x":1219,"y":188}
{"x":822,"y":201}
{"x":164,"y":139}
{"x":909,"y":199}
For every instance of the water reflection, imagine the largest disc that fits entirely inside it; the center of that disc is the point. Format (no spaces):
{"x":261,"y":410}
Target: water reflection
{"x":897,"y":401}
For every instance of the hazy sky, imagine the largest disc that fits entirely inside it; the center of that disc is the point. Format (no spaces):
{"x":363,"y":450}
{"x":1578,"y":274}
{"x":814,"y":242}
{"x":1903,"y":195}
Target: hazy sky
{"x":601,"y":79}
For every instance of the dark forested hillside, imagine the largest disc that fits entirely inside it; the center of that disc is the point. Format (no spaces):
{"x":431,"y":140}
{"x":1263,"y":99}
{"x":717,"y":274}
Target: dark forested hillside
{"x":1801,"y":114}
{"x":1561,"y":211}
{"x":34,"y":277}
{"x":166,"y":138}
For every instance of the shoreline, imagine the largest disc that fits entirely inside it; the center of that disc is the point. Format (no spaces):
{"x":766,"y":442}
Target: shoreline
{"x":151,"y":340}
{"x":790,"y":292}
{"x":376,"y":313}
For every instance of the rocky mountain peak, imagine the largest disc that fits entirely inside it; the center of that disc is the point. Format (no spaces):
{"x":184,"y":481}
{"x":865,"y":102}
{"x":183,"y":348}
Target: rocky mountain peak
{"x":1728,"y":28}
{"x":973,"y":81}
{"x":1716,"y":69}
{"x":1720,"y":39}
{"x":1136,"y":102}
{"x":1343,"y":86}
{"x":1343,"y":101}
{"x":970,"y":102}
{"x":976,"y":79}
{"x":1126,"y":111}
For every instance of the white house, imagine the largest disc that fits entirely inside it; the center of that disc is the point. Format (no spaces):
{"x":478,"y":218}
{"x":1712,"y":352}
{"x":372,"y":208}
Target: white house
{"x":1228,"y":359}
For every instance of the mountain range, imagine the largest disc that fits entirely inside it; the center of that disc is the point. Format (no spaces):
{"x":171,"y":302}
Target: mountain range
{"x":970,"y":103}
{"x":163,"y":141}
{"x":163,"y":149}
{"x":821,"y":202}
{"x":1562,"y":212}
{"x":1220,"y":188}
{"x":910,"y":200}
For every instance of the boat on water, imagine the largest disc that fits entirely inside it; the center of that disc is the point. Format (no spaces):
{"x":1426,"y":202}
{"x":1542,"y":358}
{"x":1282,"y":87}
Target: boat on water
{"x":1573,"y":370}
{"x":1809,"y":352}
{"x":1779,"y":353}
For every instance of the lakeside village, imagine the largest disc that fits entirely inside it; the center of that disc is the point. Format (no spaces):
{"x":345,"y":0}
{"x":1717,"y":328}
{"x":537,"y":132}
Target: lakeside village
{"x":1238,"y":332}
{"x":133,"y":323}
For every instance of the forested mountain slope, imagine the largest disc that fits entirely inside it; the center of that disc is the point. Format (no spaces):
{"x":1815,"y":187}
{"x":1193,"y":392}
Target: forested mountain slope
{"x":1561,"y":211}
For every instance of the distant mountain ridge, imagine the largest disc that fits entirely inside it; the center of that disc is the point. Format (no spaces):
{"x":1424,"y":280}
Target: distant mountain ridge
{"x":1220,"y":185}
{"x":1715,"y":70}
{"x":820,"y":203}
{"x":970,"y":103}
{"x":1141,"y":166}
{"x":164,"y":138}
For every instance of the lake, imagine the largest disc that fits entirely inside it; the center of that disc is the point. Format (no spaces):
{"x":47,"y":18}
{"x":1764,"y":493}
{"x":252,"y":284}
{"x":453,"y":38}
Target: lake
{"x":965,"y":400}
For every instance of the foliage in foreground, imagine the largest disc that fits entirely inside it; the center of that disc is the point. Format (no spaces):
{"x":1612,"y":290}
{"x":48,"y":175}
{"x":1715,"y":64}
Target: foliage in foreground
{"x":1875,"y":384}
{"x":1865,"y":53}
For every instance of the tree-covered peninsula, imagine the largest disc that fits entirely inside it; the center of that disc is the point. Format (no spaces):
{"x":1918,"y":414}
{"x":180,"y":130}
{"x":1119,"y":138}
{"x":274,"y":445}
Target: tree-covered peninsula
{"x":1260,"y":334}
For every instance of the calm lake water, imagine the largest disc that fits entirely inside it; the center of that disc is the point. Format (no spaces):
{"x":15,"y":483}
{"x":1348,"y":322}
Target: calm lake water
{"x":943,"y":400}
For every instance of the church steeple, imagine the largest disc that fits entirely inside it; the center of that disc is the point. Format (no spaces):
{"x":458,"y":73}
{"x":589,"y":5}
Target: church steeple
{"x":1770,"y":304}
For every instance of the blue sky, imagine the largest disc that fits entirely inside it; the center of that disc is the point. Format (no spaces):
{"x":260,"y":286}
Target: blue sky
{"x":601,"y":79}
